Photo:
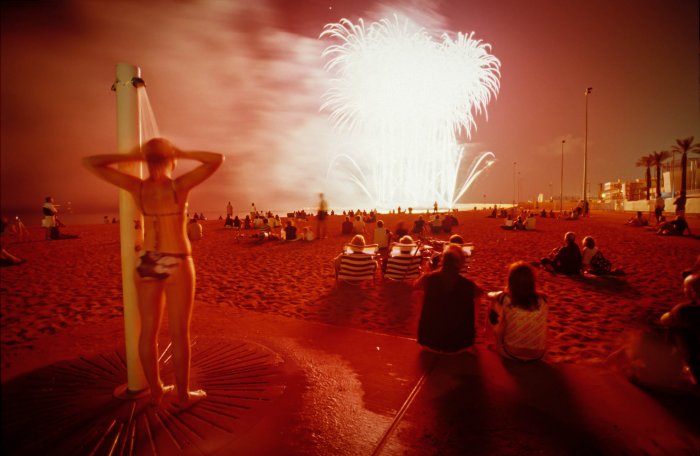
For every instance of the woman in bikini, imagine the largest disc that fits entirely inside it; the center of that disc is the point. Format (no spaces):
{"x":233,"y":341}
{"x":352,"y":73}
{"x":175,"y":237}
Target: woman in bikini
{"x":164,"y":266}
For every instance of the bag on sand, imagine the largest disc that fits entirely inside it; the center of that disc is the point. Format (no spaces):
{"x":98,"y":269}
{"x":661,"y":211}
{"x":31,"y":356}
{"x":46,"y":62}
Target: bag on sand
{"x":600,"y":264}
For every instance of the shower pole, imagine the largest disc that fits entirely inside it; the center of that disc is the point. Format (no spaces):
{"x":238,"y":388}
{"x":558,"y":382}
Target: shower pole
{"x":130,"y":223}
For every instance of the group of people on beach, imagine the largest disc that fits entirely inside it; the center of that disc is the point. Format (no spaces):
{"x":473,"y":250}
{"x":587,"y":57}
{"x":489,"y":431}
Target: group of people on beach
{"x":517,"y":315}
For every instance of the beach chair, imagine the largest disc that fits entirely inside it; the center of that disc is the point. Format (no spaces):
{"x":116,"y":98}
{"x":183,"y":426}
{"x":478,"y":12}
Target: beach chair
{"x":530,"y":223}
{"x":357,"y":264}
{"x":404,"y":262}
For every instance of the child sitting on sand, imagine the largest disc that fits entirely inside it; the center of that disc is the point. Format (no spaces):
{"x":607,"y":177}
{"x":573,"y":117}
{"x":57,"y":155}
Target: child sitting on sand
{"x":518,"y":316}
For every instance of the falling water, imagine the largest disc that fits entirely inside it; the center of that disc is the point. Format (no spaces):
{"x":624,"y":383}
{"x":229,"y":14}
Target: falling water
{"x":149,"y":126}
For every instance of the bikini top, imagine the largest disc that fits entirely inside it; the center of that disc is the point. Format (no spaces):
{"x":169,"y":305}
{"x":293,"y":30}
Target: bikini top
{"x":146,"y":214}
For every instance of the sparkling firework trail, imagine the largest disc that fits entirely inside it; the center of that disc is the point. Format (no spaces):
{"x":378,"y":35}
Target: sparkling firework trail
{"x":404,"y":97}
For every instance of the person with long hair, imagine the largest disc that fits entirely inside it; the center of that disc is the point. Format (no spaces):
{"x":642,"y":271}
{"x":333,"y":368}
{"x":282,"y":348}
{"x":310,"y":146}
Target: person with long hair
{"x":164,"y":271}
{"x":519,"y":315}
{"x":447,"y":317}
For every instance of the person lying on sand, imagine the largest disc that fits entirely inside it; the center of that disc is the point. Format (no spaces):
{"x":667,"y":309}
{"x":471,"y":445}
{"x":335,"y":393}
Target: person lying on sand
{"x":518,"y":316}
{"x":165,"y":271}
{"x":675,"y":227}
{"x":8,"y":259}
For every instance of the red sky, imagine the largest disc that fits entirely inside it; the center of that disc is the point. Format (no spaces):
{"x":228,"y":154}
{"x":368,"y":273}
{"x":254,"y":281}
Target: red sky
{"x":246,"y":79}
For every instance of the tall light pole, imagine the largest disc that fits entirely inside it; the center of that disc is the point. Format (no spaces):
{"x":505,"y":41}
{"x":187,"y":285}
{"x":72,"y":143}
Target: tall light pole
{"x":514,"y":184}
{"x":585,"y":148}
{"x":561,"y":191}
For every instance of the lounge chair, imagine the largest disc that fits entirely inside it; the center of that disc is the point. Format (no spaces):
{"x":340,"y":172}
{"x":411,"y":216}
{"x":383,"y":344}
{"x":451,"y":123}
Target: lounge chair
{"x":357,"y":264}
{"x":530,"y":223}
{"x":403,"y":262}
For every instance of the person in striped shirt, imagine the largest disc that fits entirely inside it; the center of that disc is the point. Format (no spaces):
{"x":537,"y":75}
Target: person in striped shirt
{"x":518,"y":315}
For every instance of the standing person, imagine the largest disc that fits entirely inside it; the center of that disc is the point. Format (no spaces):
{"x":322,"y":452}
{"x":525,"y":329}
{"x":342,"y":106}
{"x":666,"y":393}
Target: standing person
{"x":321,"y":217}
{"x":435,"y":207}
{"x":229,"y":209}
{"x":659,"y":206}
{"x":49,"y":220}
{"x":164,"y":268}
{"x":447,"y":317}
{"x":680,"y":205}
{"x":253,"y":211}
{"x":519,"y":316}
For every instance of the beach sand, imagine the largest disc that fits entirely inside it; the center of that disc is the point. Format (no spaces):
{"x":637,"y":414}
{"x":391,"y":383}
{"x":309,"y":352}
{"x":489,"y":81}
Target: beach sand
{"x":69,"y":285}
{"x":65,"y":301}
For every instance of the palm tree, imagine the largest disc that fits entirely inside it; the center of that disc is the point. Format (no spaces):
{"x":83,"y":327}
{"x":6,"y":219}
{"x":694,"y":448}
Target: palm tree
{"x":647,"y":161}
{"x":657,"y":158}
{"x":683,"y":146}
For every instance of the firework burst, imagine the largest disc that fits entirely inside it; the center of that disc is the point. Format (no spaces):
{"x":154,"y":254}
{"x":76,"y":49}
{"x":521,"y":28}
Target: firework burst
{"x":405,"y":96}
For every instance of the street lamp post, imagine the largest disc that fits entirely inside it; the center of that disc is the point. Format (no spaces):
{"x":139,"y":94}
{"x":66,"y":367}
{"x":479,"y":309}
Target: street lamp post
{"x":561,"y":190}
{"x":514,"y":184}
{"x":585,"y":148}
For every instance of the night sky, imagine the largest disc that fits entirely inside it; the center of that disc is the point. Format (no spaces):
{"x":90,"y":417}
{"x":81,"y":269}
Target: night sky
{"x":246,"y":79}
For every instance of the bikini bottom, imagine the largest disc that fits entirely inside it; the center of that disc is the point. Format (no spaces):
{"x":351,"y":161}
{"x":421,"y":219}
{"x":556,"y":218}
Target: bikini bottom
{"x":157,"y":265}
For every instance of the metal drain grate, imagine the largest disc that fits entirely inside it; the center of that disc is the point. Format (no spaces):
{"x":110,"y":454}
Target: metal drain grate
{"x":69,"y":407}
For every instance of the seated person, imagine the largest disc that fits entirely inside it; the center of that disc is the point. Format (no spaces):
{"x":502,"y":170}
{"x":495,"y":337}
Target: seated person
{"x":593,"y":261}
{"x":382,"y":236}
{"x":401,"y":229}
{"x":508,"y":223}
{"x":574,"y":215}
{"x":404,"y":260}
{"x":358,"y":226}
{"x":419,"y":226}
{"x":457,"y":240}
{"x":275,"y":221}
{"x":448,"y":312}
{"x":356,"y":253}
{"x":675,"y":227}
{"x":290,"y":231}
{"x":307,"y":234}
{"x":436,"y":225}
{"x":518,"y":316}
{"x":447,"y":224}
{"x":543,"y":214}
{"x":236,"y":223}
{"x":518,"y":224}
{"x":683,"y":322}
{"x":228,"y":224}
{"x":347,"y":226}
{"x":265,"y":226}
{"x":194,"y":230}
{"x":8,"y":259}
{"x":565,"y":259}
{"x":638,"y":220}
{"x":246,"y":223}
{"x":257,"y":222}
